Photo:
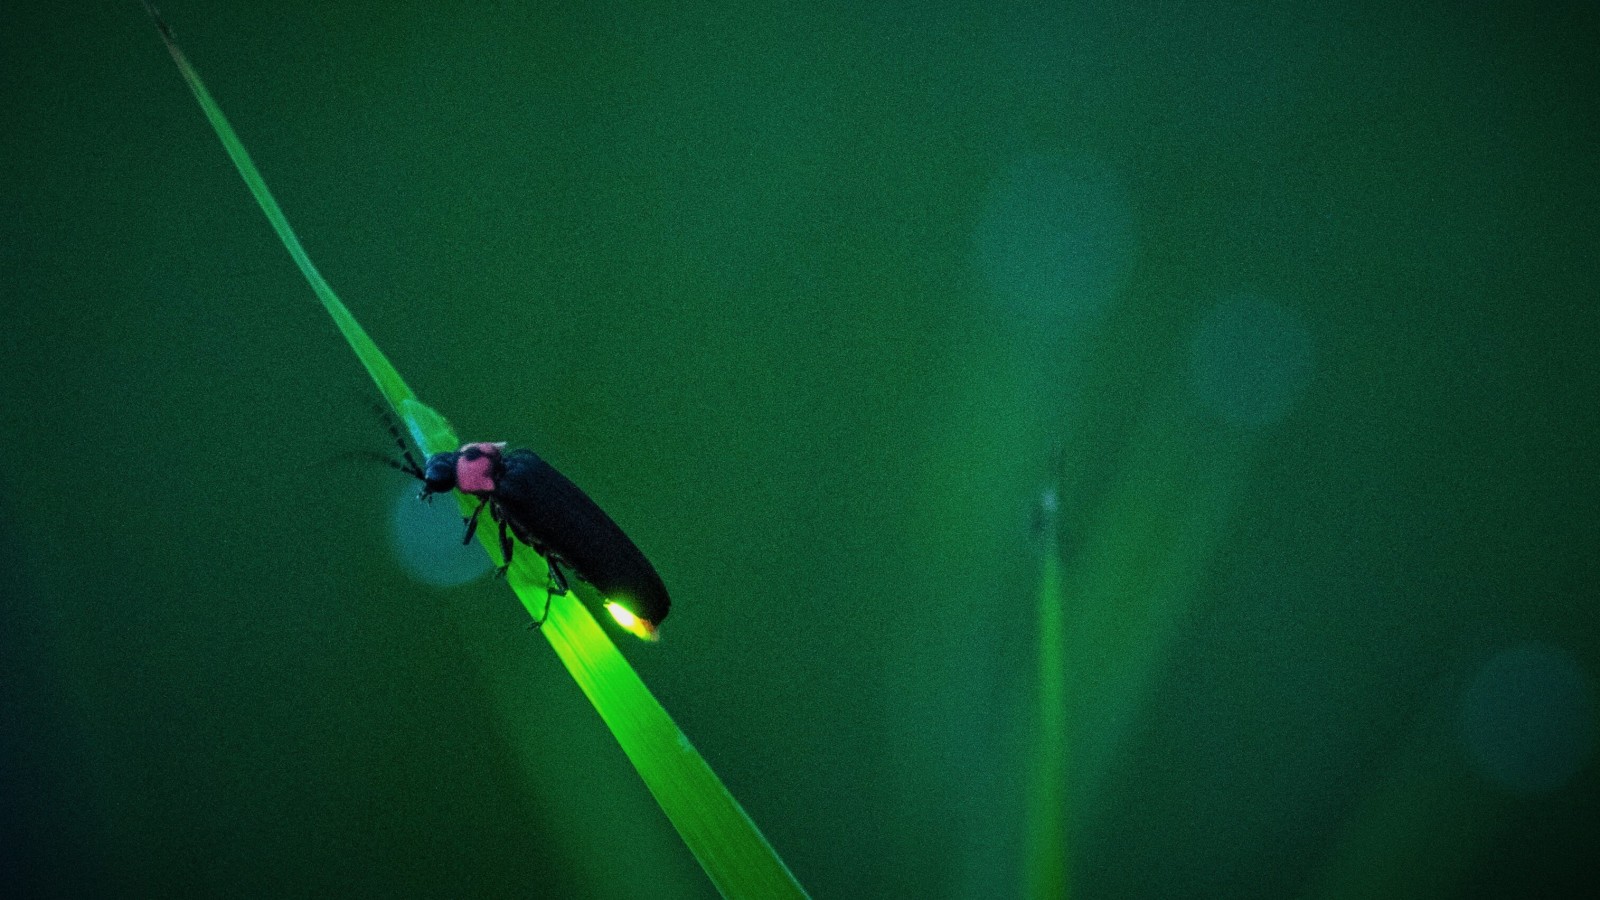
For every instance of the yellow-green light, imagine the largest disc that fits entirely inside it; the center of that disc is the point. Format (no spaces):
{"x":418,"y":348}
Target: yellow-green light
{"x":631,"y":623}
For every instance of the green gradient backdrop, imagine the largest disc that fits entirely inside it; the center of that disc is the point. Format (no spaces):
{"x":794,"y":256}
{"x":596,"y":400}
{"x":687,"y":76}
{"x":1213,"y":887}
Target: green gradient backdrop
{"x":725,"y":267}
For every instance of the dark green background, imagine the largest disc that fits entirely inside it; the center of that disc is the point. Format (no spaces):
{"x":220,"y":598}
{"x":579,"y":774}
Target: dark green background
{"x":722,"y":264}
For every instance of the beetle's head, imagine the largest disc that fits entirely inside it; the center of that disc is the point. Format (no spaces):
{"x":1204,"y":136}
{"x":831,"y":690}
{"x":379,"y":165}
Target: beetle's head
{"x":476,"y":468}
{"x":439,"y":475}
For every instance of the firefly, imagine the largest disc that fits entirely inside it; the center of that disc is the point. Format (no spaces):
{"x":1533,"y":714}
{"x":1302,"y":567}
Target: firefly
{"x":534,"y":504}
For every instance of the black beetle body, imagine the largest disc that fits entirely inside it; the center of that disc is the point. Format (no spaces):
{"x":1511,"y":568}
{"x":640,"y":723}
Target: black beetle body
{"x":550,"y":514}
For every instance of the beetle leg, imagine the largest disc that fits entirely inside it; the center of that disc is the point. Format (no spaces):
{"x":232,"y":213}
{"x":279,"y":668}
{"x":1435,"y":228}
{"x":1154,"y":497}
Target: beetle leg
{"x":557,"y":584}
{"x":534,"y":625}
{"x":472,"y":522}
{"x":506,"y":546}
{"x":558,"y":580}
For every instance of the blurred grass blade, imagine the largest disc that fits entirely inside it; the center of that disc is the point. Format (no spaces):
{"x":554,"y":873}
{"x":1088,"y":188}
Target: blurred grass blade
{"x":1047,"y":802}
{"x":728,"y":845}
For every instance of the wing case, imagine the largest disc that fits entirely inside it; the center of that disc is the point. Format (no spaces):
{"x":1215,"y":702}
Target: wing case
{"x":549,"y":513}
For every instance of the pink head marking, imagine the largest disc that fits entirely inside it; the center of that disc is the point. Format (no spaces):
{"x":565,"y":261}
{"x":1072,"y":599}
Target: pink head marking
{"x":476,"y":465}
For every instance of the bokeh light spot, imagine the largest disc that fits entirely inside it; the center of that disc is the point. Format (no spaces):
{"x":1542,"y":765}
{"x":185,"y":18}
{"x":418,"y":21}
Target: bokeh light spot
{"x":1055,"y":240}
{"x":427,"y":540}
{"x":1250,"y":360}
{"x":1528,"y":718}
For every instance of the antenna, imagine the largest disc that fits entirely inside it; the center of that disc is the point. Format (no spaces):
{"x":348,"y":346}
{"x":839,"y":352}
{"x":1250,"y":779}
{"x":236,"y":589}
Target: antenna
{"x":410,"y":467}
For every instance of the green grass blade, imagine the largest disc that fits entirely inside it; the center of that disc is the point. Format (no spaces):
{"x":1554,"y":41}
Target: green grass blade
{"x":711,"y":822}
{"x":716,"y":829}
{"x":1047,"y":801}
{"x":388,"y":380}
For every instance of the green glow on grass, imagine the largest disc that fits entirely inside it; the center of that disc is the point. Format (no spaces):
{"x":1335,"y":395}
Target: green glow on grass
{"x":711,"y":822}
